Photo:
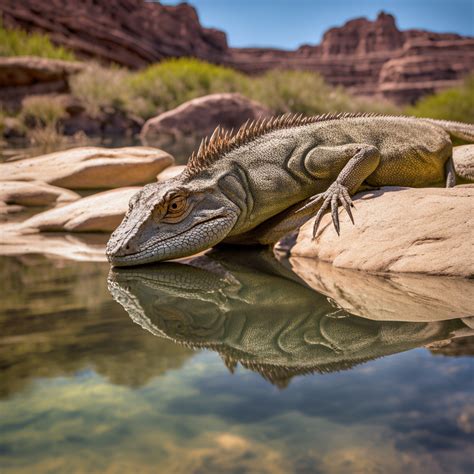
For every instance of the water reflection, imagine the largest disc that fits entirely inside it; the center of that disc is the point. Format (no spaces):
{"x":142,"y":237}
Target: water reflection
{"x":254,"y":311}
{"x":57,"y":319}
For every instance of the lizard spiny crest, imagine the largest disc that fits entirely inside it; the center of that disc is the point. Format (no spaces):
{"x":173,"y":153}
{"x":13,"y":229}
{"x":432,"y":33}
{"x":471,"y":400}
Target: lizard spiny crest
{"x":223,"y":141}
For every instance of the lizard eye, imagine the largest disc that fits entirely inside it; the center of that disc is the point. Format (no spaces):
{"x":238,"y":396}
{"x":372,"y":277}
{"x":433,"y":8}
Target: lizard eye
{"x":176,"y":207}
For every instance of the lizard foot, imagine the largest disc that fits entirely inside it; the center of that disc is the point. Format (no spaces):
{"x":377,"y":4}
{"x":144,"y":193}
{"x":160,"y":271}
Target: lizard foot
{"x":331,"y":197}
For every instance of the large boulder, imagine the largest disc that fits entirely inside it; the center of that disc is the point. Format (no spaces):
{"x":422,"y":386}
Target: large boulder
{"x":24,"y":193}
{"x":428,"y":230}
{"x":198,"y":118}
{"x":90,"y":167}
{"x":100,"y":212}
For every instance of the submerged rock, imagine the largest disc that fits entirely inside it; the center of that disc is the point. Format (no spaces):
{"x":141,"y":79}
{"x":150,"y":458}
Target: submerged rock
{"x":428,"y":230}
{"x":90,"y":167}
{"x":24,"y":193}
{"x":100,"y":212}
{"x":199,"y":117}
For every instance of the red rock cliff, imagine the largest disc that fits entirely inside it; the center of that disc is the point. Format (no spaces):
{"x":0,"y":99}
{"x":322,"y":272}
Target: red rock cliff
{"x":368,"y":57}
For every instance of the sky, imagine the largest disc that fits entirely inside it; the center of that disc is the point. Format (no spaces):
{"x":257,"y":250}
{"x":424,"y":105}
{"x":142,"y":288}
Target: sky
{"x":289,"y":23}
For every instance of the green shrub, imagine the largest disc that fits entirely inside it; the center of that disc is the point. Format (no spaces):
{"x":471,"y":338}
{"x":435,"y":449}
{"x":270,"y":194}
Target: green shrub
{"x":14,"y":42}
{"x":452,"y":104}
{"x":164,"y":86}
{"x":41,"y":111}
{"x":99,"y":87}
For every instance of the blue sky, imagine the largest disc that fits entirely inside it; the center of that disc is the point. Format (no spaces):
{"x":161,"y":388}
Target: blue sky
{"x":289,"y":23}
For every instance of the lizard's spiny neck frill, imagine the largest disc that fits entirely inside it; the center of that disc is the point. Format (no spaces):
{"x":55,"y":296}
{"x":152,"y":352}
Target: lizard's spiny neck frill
{"x":223,"y":141}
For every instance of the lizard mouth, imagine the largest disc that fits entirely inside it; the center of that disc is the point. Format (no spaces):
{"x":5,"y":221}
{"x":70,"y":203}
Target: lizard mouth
{"x":175,"y":247}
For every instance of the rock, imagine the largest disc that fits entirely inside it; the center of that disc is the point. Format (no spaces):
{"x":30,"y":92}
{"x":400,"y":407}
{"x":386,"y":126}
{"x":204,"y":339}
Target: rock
{"x":100,"y":212}
{"x":81,"y":247}
{"x":34,"y":194}
{"x":429,"y":230}
{"x":393,"y":297}
{"x":463,"y":157}
{"x":131,"y":33}
{"x":170,"y":172}
{"x":199,"y":117}
{"x":134,"y":34}
{"x":28,"y":75}
{"x":90,"y":167}
{"x":425,"y":67}
{"x":373,"y":58}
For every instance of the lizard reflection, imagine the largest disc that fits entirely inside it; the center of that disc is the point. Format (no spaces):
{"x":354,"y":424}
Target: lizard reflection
{"x":254,"y":311}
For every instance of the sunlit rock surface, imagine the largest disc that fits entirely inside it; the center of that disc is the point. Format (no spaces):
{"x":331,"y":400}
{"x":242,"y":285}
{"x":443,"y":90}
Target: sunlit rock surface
{"x":101,"y":212}
{"x":90,"y":167}
{"x":170,"y":172}
{"x":428,"y":230}
{"x":199,"y":117}
{"x":24,"y":193}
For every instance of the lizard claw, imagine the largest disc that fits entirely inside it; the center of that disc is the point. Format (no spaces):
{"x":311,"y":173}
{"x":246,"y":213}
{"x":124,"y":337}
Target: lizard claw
{"x":335,"y":194}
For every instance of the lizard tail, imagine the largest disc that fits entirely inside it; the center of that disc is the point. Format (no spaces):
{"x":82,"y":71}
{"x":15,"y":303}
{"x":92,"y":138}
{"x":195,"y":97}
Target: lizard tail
{"x":464,"y":131}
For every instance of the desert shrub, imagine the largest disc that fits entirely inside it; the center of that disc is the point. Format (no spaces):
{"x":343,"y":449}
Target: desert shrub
{"x":15,"y":42}
{"x":41,"y":111}
{"x":452,"y":104}
{"x":165,"y":85}
{"x":99,"y":87}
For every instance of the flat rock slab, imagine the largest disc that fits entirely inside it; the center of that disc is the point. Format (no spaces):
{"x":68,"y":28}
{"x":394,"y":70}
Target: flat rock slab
{"x":429,"y":230}
{"x":100,"y":212}
{"x":90,"y":167}
{"x":25,"y":193}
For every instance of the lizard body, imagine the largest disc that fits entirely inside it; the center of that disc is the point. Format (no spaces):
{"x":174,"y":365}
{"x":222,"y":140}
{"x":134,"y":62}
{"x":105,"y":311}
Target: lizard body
{"x":271,"y":176}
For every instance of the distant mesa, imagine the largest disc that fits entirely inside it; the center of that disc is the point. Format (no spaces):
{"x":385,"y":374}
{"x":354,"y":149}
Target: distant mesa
{"x":368,"y":57}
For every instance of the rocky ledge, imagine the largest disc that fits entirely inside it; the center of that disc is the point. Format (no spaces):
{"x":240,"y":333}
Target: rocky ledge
{"x":408,"y":230}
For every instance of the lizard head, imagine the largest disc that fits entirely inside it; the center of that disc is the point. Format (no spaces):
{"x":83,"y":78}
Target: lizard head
{"x":173,"y":219}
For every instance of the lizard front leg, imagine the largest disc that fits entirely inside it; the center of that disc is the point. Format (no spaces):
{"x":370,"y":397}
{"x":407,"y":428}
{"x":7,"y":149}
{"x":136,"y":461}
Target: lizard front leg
{"x":359,"y":161}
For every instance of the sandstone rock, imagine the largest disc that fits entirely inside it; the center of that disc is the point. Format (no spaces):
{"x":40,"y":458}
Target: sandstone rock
{"x":90,"y":167}
{"x":24,"y":193}
{"x":373,"y":58}
{"x":81,"y":247}
{"x":199,"y":117}
{"x":463,"y":157}
{"x":100,"y":212}
{"x":132,"y":33}
{"x":170,"y":172}
{"x":425,"y":67}
{"x":393,"y":297}
{"x":428,"y":230}
{"x":28,"y":75}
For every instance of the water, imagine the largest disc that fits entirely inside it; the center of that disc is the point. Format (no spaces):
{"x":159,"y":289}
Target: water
{"x":233,"y":364}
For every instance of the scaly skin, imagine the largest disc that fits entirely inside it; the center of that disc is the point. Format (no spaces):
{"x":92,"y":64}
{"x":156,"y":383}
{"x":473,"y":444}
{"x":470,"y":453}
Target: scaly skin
{"x":270,"y":177}
{"x":251,"y":312}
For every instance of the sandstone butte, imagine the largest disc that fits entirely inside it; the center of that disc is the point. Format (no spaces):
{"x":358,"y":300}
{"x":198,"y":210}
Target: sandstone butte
{"x":368,"y":57}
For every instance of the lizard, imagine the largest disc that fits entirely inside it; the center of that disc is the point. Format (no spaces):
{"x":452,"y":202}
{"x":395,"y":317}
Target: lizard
{"x":251,"y":312}
{"x":257,"y":184}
